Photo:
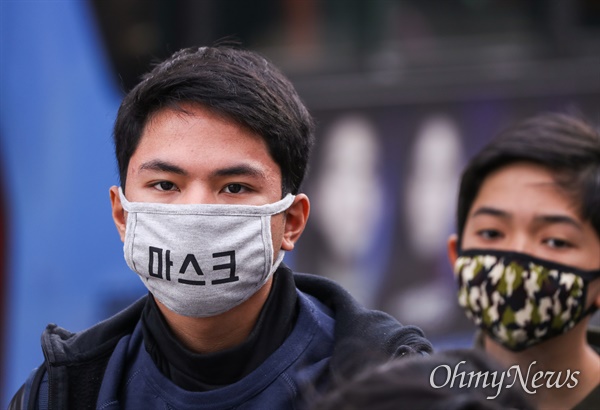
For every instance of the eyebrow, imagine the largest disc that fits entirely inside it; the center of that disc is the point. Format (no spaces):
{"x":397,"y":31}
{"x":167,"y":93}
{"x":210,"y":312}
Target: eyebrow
{"x":158,"y":165}
{"x":559,"y":219}
{"x":486,"y":210}
{"x":240,"y":170}
{"x":544,"y":219}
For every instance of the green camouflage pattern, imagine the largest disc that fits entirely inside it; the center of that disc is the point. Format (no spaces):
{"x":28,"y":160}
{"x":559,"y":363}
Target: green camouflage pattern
{"x":516,"y":301}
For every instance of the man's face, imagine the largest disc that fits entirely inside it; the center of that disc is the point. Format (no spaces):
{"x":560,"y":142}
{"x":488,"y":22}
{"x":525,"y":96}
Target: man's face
{"x":520,"y":208}
{"x":199,"y":157}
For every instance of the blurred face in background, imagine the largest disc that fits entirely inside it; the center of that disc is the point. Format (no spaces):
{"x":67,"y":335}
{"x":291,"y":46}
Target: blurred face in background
{"x":521,"y":208}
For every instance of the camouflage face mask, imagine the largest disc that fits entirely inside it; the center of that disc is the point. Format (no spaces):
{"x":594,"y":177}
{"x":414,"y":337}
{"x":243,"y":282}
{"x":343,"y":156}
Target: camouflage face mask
{"x":520,"y":300}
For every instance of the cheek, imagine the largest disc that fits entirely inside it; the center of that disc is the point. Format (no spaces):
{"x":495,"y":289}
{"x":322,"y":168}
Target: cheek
{"x":467,"y":242}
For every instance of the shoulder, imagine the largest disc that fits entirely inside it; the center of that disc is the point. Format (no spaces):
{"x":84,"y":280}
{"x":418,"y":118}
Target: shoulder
{"x":78,"y":357}
{"x":354,"y":322}
{"x":35,"y":388}
{"x":64,"y":347}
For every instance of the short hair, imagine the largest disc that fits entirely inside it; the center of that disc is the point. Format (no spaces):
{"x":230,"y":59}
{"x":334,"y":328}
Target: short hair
{"x":566,"y":144}
{"x":406,"y":383}
{"x":238,"y":84}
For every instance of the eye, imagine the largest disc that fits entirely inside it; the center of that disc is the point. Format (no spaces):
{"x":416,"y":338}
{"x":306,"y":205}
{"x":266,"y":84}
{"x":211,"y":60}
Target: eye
{"x":557,"y":243}
{"x":165,"y":186}
{"x":489,"y":234}
{"x":234,"y":188}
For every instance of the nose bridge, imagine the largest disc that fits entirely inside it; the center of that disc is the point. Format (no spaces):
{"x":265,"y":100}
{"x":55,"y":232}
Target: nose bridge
{"x":520,"y":242}
{"x":198,"y":193}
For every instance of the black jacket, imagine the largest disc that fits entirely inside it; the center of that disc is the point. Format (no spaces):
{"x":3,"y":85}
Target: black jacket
{"x":75,"y":362}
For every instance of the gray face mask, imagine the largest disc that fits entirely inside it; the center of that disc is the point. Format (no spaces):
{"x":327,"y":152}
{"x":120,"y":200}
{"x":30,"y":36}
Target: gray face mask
{"x":201,"y":260}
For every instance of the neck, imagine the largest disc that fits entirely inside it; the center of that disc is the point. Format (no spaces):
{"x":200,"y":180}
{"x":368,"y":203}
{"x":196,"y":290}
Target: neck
{"x":568,"y":354}
{"x":216,"y":333}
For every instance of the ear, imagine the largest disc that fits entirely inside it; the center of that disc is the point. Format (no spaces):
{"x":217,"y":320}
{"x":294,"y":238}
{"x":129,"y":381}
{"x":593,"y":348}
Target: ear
{"x":118,"y":213}
{"x":295,"y":221}
{"x":452,"y":249}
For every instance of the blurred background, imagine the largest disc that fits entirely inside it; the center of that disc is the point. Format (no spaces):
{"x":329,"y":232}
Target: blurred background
{"x":403,"y":91}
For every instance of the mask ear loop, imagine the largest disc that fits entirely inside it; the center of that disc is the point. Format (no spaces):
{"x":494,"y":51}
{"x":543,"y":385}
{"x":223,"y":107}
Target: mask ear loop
{"x":593,"y":307}
{"x":587,"y":277}
{"x":590,"y":311}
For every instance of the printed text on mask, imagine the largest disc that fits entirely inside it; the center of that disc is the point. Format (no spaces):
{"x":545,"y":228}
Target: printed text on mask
{"x":190,"y":261}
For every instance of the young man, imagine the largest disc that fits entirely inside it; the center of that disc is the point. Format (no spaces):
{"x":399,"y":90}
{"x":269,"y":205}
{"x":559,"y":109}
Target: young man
{"x":212,"y":147}
{"x":527,"y":255}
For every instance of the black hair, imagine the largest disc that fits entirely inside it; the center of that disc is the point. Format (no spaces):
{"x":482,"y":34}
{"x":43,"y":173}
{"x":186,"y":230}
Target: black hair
{"x":240,"y":85}
{"x":421,"y":382}
{"x":566,"y":144}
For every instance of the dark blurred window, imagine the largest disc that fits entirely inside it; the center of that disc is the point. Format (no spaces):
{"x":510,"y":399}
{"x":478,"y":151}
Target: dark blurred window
{"x":307,"y":37}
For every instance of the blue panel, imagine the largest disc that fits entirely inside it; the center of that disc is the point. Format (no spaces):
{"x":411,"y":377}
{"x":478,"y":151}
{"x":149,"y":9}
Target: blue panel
{"x":57,"y":107}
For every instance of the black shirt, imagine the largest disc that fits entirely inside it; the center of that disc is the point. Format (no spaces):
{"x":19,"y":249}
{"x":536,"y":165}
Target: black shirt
{"x":201,"y":372}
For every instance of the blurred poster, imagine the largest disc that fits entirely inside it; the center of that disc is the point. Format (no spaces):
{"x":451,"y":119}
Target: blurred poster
{"x":383,"y":186}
